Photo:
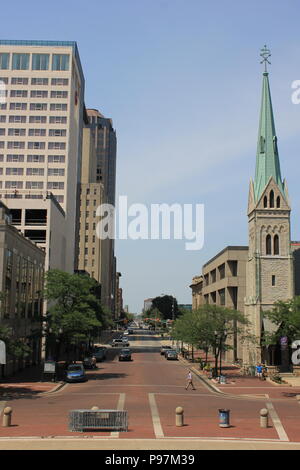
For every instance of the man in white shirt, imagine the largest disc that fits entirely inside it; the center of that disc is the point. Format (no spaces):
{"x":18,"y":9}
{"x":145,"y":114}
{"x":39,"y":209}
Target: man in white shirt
{"x":189,"y":381}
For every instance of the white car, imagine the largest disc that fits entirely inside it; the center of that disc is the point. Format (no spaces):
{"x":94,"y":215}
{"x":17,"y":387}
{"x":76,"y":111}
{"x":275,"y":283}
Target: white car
{"x":123,"y":342}
{"x":125,"y":332}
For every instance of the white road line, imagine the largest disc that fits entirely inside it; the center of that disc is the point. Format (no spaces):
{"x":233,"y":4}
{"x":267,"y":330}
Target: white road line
{"x":155,"y":417}
{"x":277,"y":423}
{"x":120,"y":407}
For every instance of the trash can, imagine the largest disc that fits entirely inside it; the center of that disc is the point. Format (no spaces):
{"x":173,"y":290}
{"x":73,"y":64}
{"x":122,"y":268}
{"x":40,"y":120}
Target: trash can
{"x":224,"y":418}
{"x":222,"y":379}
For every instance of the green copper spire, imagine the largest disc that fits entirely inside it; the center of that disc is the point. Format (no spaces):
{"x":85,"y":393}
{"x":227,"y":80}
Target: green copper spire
{"x":267,"y":158}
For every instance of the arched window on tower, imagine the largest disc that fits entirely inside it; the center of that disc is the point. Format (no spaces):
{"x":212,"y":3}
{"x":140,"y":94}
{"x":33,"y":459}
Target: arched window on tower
{"x":272,"y":198}
{"x":278,"y":202}
{"x":268,"y":245}
{"x":276,"y":245}
{"x":265,"y":202}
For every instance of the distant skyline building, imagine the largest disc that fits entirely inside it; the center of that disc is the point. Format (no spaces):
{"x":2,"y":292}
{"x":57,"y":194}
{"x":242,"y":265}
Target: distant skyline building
{"x":147,"y":304}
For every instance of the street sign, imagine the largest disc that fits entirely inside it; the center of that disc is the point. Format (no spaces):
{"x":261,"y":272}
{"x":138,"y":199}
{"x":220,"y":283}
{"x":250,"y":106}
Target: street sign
{"x":49,"y":367}
{"x":2,"y":352}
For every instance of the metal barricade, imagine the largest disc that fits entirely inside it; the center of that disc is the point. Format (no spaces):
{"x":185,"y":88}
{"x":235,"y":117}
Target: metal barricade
{"x":99,"y":419}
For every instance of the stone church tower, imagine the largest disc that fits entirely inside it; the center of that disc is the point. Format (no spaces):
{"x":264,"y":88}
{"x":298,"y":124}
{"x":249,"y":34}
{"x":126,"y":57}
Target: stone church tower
{"x":269,"y":272}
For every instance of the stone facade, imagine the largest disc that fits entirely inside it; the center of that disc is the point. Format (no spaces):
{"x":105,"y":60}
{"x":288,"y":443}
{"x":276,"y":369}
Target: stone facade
{"x":21,"y":282}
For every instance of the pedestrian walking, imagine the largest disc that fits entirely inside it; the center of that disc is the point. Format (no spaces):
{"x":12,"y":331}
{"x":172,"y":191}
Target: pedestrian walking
{"x":259,"y":370}
{"x":189,"y":381}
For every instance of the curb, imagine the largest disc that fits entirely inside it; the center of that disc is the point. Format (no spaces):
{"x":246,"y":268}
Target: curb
{"x":55,"y":389}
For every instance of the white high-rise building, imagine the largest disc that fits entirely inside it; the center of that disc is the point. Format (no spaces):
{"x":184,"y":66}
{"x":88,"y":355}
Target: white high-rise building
{"x":41,"y":113}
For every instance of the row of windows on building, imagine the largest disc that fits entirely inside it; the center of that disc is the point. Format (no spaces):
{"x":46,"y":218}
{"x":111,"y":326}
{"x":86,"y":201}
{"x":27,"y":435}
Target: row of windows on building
{"x":33,"y":145}
{"x":16,"y":195}
{"x":33,"y":94}
{"x":86,"y":251}
{"x":269,"y":201}
{"x":213,"y":295}
{"x":25,"y":280}
{"x":272,"y":245}
{"x":12,"y":131}
{"x":20,"y":158}
{"x":34,"y":106}
{"x":32,"y":185}
{"x":87,"y":226}
{"x":35,"y":81}
{"x":32,"y":171}
{"x":88,"y":191}
{"x":87,"y":202}
{"x":34,"y":119}
{"x":220,"y":272}
{"x":26,"y":61}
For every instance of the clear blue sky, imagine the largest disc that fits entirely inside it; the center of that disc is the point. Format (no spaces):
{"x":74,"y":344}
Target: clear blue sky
{"x":181,"y":80}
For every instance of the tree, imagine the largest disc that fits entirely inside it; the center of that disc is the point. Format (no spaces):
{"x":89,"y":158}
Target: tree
{"x":167,"y":305}
{"x":286,"y":316}
{"x":76,"y":313}
{"x":15,"y":347}
{"x":209,"y":327}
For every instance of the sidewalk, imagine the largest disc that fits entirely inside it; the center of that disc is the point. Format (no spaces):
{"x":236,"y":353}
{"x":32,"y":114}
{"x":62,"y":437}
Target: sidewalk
{"x":239,"y":385}
{"x":29,"y":382}
{"x":26,"y":383}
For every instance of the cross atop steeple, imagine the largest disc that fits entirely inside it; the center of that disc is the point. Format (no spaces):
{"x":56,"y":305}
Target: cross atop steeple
{"x":265,"y":53}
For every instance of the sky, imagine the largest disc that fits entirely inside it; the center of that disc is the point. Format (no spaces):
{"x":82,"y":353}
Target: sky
{"x":181,"y":80}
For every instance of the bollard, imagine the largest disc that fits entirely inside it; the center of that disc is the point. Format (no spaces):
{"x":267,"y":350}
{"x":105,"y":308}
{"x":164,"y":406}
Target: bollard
{"x":224,"y":418}
{"x":7,"y":412}
{"x":264,"y":418}
{"x":179,"y":416}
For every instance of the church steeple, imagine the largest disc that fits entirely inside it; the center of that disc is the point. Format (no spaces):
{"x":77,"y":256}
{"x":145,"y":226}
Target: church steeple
{"x":267,"y":158}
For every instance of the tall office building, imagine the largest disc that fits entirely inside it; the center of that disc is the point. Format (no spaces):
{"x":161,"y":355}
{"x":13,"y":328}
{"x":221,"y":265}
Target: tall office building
{"x":106,"y":151}
{"x":41,"y":137}
{"x":105,"y":141}
{"x":93,"y":256}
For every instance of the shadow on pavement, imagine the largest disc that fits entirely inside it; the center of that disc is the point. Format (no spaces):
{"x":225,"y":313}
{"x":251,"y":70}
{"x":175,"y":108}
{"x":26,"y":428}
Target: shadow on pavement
{"x":16,"y":393}
{"x":105,"y":376}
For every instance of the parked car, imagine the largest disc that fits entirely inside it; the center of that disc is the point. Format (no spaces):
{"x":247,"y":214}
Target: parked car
{"x":130,"y":331}
{"x":88,"y":363}
{"x":100,"y":353}
{"x":125,"y":332}
{"x":76,"y":373}
{"x":125,"y":354}
{"x":119,"y":342}
{"x":171,"y":354}
{"x":163,"y":349}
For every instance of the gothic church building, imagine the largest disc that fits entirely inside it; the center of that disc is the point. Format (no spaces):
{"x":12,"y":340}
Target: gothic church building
{"x":270,"y":266}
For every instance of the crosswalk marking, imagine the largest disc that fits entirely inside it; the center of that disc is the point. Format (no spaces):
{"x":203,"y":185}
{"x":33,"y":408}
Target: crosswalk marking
{"x":277,"y":423}
{"x":155,"y":417}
